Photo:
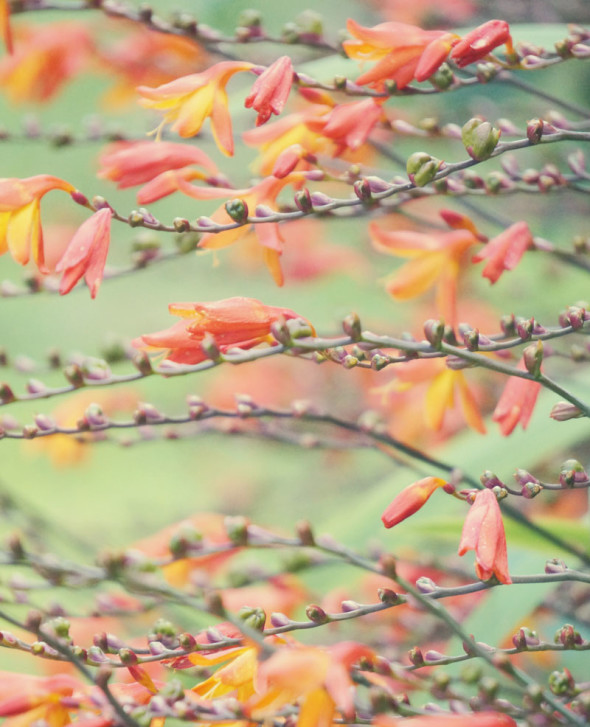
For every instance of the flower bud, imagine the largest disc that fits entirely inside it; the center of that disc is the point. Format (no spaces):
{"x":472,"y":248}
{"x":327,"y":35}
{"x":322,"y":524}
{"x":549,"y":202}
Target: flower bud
{"x":352,"y":326}
{"x":532,"y":357}
{"x":480,"y":138}
{"x":422,"y":168}
{"x":316,"y":614}
{"x":255,"y":618}
{"x":237,"y":209}
{"x":534,"y":130}
{"x":302,"y":200}
{"x":563,"y":410}
{"x":434,"y":332}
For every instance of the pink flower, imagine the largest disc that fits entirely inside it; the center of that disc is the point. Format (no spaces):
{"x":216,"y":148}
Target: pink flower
{"x":476,"y":45}
{"x":271,"y":90}
{"x":87,"y":253}
{"x":516,"y":403}
{"x":505,"y":251}
{"x":410,"y":500}
{"x":483,"y":532}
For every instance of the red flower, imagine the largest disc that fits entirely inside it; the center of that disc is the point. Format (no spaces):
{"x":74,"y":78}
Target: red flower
{"x":5,"y":28}
{"x":271,"y":90}
{"x":476,"y":45}
{"x":504,"y":251}
{"x":516,"y":403}
{"x":87,"y":253}
{"x":129,"y":163}
{"x":483,"y":532}
{"x":233,"y":322}
{"x":410,"y":500}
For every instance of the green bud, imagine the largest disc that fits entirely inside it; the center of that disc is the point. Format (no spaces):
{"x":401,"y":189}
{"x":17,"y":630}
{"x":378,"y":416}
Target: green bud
{"x":237,"y":209}
{"x":422,"y":168}
{"x":255,"y":618}
{"x":480,"y":138}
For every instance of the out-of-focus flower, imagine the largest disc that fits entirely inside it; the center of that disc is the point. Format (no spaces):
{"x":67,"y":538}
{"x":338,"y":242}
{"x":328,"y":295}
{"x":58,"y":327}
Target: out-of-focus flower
{"x":20,"y":216}
{"x":348,"y":125}
{"x":403,"y":52}
{"x":145,"y":58}
{"x":441,"y":396}
{"x":271,"y":90}
{"x":46,"y":57}
{"x":188,"y":101}
{"x":483,"y":532}
{"x":479,"y":42}
{"x":26,"y":700}
{"x":505,"y":251}
{"x":129,"y":163}
{"x":66,"y":451}
{"x":318,"y":679}
{"x":517,"y":403}
{"x":207,"y":529}
{"x":410,"y":500}
{"x":233,"y":322}
{"x":436,"y":261}
{"x":86,"y":254}
{"x":5,"y":28}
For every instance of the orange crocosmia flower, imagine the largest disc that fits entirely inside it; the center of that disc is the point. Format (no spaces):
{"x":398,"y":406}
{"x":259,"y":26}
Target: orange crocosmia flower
{"x":410,"y":500}
{"x":20,"y":216}
{"x":349,"y":125}
{"x":27,"y":700}
{"x":441,"y":396}
{"x":86,"y":254}
{"x":47,"y":57}
{"x":233,"y":322}
{"x":235,"y":679}
{"x":483,"y":532}
{"x":505,"y":251}
{"x":403,"y":52}
{"x":316,"y":678}
{"x":188,"y":101}
{"x":517,"y":403}
{"x":129,"y":163}
{"x":436,"y":260}
{"x":476,"y":45}
{"x":268,"y":233}
{"x":271,"y":90}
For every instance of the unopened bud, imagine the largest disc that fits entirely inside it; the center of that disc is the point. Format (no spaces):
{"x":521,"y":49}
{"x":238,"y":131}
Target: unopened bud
{"x":433,"y":332}
{"x":237,"y":209}
{"x":351,"y":325}
{"x":480,"y":138}
{"x":255,"y":618}
{"x":563,"y":410}
{"x":422,"y":168}
{"x":316,"y":614}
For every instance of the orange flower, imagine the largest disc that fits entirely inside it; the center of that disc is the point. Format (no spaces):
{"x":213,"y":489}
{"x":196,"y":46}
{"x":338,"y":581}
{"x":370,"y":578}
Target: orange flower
{"x":189,"y":100}
{"x":5,"y":28}
{"x":46,"y":58}
{"x":129,"y":163}
{"x":349,"y":125}
{"x":241,"y":322}
{"x":318,"y":678}
{"x":87,"y":253}
{"x":441,"y":396}
{"x":20,"y":216}
{"x":30,"y":699}
{"x":403,"y":52}
{"x":410,"y":500}
{"x":271,"y":90}
{"x":483,"y":532}
{"x":476,"y":45}
{"x":516,"y":404}
{"x":436,"y":260}
{"x":505,"y":251}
